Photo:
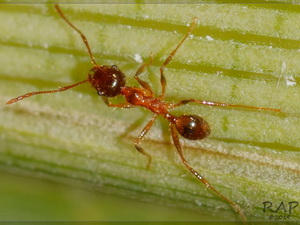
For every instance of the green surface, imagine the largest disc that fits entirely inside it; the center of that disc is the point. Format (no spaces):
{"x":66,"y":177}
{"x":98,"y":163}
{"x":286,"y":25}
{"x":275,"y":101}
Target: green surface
{"x":238,"y":54}
{"x":24,"y":199}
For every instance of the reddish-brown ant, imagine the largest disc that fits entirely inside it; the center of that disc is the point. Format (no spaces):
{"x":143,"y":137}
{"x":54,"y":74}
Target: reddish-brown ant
{"x":109,"y":81}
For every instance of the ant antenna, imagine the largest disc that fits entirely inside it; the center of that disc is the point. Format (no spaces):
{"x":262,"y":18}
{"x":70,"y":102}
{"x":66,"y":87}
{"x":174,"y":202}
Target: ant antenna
{"x":44,"y":92}
{"x":57,"y":8}
{"x":81,"y":34}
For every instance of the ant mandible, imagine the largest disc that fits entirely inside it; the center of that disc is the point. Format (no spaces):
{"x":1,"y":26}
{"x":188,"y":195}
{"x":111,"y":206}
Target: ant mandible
{"x":110,"y":81}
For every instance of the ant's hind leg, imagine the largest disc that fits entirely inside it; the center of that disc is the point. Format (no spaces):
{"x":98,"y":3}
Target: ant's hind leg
{"x":198,"y":176}
{"x":144,"y":84}
{"x":170,"y":57}
{"x":220,"y":104}
{"x":139,"y":139}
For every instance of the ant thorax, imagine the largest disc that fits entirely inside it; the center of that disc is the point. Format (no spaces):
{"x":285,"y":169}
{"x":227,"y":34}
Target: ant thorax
{"x":141,"y":97}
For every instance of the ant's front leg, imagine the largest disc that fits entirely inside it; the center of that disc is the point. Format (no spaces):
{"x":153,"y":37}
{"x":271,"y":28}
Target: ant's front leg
{"x":120,"y":105}
{"x":163,"y":81}
{"x":144,"y":84}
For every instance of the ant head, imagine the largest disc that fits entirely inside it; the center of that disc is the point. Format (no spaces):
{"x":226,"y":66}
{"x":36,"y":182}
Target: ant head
{"x":107,"y":80}
{"x":192,"y":127}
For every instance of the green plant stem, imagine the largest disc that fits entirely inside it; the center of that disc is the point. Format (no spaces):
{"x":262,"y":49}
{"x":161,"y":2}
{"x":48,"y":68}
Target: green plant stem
{"x":239,"y":54}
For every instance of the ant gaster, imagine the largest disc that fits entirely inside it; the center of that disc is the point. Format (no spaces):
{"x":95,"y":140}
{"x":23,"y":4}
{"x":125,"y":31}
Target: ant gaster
{"x":110,"y":81}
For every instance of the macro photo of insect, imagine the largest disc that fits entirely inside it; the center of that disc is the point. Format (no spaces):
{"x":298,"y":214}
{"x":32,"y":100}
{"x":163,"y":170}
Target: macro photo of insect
{"x":150,"y":112}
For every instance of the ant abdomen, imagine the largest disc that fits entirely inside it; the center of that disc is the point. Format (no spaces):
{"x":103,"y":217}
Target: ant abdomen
{"x":192,"y":127}
{"x":107,"y":80}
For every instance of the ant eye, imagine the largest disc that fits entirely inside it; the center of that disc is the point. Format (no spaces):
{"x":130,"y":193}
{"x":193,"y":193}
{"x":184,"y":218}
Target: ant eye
{"x":192,"y":127}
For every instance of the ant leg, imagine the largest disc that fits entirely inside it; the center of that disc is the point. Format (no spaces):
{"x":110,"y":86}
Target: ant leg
{"x":198,"y":176}
{"x":84,"y":39}
{"x":140,"y":71}
{"x":120,"y":105}
{"x":170,"y":57}
{"x":44,"y":92}
{"x":139,"y":139}
{"x":183,"y":102}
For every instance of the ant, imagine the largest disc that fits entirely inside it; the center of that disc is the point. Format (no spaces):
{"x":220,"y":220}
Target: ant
{"x":110,"y":81}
